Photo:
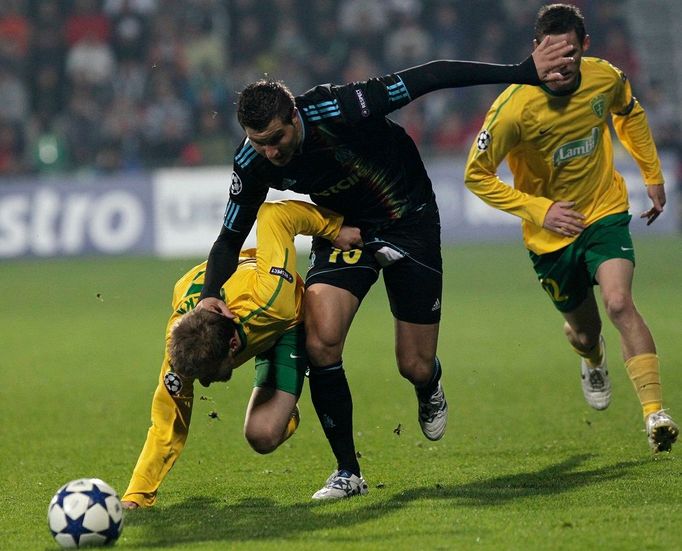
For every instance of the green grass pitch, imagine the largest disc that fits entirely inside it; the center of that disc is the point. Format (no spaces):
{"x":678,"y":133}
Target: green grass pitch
{"x":525,"y":463}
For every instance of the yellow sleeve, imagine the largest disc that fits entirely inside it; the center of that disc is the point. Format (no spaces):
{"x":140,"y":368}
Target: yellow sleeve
{"x":632,"y":129}
{"x":277,"y":224}
{"x":500,"y":134}
{"x":166,"y":437}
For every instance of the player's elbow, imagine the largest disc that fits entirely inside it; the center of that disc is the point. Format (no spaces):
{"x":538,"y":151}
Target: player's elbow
{"x":471,"y":182}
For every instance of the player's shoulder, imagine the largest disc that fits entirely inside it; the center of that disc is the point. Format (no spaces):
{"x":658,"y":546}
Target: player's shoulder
{"x":320,"y":104}
{"x":598,"y":68}
{"x":513,"y":100}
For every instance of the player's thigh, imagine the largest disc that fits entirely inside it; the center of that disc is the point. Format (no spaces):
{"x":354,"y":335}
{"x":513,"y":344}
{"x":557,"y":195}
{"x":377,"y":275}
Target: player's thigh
{"x":329,"y":312}
{"x":611,"y":259}
{"x":414,"y":286}
{"x":283,"y":365}
{"x":564,"y":276}
{"x":336,"y":283}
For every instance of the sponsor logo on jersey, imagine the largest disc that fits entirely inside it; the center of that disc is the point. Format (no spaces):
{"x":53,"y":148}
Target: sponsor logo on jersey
{"x":281,"y":272}
{"x":288,"y":183}
{"x":483,"y":140}
{"x":173,"y":383}
{"x":236,"y":185}
{"x":598,"y":104}
{"x":577,"y":148}
{"x":343,"y":185}
{"x":364,"y":110}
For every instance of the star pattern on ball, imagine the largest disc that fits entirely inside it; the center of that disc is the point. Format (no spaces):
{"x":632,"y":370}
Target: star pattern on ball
{"x":96,"y":495}
{"x":74,"y":527}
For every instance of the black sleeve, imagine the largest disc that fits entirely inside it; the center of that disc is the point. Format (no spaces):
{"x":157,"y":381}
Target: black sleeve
{"x":377,"y":97}
{"x":436,"y":75}
{"x":247,"y":194}
{"x":222,"y":262}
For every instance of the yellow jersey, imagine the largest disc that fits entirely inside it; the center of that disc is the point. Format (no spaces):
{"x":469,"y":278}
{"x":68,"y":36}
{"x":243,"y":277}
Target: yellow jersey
{"x":559,"y":148}
{"x":266,"y":295}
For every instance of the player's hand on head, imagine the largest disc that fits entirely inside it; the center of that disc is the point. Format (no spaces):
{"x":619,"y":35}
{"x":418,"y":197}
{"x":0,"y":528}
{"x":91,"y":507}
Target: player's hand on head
{"x":550,"y":57}
{"x":215,"y":305}
{"x":656,"y":193}
{"x":562,"y":219}
{"x":349,"y":238}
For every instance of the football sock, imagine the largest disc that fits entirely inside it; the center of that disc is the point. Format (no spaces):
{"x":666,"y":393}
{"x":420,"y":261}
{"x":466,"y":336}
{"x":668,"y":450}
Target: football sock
{"x":593,"y":356}
{"x":643,"y":371}
{"x":425,"y":391}
{"x":333,"y":404}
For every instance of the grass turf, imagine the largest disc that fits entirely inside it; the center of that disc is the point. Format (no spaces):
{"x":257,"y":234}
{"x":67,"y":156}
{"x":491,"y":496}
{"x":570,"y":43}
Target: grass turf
{"x":525,"y":464}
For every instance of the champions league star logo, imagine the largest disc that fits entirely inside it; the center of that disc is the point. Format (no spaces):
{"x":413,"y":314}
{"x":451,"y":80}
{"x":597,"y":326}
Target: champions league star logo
{"x":483,"y":140}
{"x":173,"y":383}
{"x":236,"y":185}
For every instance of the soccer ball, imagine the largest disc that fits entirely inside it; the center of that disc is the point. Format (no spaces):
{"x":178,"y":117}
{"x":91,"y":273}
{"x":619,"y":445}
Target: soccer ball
{"x":85,"y":512}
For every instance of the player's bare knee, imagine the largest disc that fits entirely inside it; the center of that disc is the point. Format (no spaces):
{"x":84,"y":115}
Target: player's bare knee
{"x":263,"y":440}
{"x":415,"y":369}
{"x":618,"y":305}
{"x":322,"y":351}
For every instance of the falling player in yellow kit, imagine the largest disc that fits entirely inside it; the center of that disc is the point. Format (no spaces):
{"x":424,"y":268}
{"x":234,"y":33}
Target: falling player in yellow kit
{"x":265,"y":294}
{"x":574,"y":205}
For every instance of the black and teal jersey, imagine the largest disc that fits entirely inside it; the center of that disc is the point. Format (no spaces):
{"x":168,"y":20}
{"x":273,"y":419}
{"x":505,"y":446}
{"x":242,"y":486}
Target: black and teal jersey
{"x":353,"y":159}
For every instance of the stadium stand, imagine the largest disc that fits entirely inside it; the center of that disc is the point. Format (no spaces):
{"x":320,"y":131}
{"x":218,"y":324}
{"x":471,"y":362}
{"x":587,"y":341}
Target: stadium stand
{"x":126,"y":85}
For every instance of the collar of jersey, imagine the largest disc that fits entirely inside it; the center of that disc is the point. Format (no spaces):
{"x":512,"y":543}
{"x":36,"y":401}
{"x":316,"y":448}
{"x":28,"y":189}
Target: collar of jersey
{"x":565,"y":92}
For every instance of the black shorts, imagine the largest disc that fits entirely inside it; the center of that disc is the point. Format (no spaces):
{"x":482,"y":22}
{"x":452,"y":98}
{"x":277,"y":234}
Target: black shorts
{"x":410,"y":257}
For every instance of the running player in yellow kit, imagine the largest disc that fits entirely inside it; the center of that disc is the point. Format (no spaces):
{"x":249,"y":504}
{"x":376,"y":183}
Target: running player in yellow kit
{"x":574,"y":205}
{"x":265,"y":294}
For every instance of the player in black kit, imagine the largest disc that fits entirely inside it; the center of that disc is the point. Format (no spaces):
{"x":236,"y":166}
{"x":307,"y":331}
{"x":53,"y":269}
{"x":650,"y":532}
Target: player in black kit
{"x":335,"y":144}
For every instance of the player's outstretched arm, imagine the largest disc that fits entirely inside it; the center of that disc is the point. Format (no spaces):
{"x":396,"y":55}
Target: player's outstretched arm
{"x":541,"y":66}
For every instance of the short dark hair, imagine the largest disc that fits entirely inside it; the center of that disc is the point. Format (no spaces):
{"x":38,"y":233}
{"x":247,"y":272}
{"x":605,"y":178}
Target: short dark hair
{"x":263,"y":101}
{"x":560,"y":19}
{"x":199,"y":343}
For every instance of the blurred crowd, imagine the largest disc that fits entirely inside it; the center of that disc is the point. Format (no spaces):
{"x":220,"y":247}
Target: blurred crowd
{"x":124,"y":85}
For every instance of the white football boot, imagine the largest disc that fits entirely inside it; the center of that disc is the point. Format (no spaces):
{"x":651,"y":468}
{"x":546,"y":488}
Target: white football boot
{"x":433,"y":414}
{"x":342,"y":484}
{"x":662,"y":431}
{"x":595,"y":381}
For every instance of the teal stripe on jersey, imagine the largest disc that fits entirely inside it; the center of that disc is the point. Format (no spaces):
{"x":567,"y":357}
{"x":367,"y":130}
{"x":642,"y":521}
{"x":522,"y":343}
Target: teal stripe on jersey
{"x":323,"y":110}
{"x":245,"y":156}
{"x":230,"y":215}
{"x":398,"y":91}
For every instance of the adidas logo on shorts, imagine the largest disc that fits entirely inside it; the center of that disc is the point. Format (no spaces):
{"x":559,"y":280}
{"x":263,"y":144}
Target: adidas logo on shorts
{"x":436,"y":305}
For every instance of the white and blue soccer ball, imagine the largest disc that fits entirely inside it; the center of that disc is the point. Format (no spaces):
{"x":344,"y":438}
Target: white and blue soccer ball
{"x":85,"y":512}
